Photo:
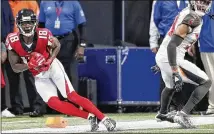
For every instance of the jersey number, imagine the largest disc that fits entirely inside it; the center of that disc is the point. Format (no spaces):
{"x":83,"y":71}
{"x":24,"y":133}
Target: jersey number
{"x":14,"y":38}
{"x":43,"y":34}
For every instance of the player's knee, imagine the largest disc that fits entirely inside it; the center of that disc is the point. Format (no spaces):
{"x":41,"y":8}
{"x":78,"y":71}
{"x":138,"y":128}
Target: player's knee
{"x":204,"y":88}
{"x":54,"y":102}
{"x":74,"y":97}
{"x":207,"y":84}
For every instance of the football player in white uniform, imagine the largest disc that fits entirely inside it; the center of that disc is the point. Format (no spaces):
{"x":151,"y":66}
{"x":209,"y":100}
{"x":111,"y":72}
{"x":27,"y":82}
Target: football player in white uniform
{"x":175,"y":69}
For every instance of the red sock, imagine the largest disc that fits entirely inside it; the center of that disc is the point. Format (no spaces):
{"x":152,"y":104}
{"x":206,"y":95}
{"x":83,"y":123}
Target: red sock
{"x":86,"y":104}
{"x":66,"y":108}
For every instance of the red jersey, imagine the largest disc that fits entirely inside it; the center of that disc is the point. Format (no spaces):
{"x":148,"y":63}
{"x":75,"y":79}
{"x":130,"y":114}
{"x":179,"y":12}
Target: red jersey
{"x":42,"y":39}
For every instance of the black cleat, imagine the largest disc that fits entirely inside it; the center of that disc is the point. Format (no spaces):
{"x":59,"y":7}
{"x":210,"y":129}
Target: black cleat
{"x":93,"y":122}
{"x":36,"y":113}
{"x":110,"y":124}
{"x":166,"y":117}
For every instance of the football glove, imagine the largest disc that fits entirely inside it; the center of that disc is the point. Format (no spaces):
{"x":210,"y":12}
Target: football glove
{"x":36,"y":60}
{"x":46,"y":65}
{"x":155,"y":69}
{"x":178,"y":83}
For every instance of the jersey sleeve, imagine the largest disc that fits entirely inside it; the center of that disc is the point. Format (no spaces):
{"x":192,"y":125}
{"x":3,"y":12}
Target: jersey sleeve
{"x":50,"y":38}
{"x":8,"y":43}
{"x":192,"y":20}
{"x":78,"y":13}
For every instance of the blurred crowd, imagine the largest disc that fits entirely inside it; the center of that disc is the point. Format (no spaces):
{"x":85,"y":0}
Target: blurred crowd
{"x":74,"y":41}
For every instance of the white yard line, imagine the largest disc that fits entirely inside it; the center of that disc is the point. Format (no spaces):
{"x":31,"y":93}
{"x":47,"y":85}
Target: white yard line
{"x":131,"y":125}
{"x":14,"y":122}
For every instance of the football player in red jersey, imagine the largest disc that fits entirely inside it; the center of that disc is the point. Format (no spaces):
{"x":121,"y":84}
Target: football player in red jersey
{"x":36,"y":49}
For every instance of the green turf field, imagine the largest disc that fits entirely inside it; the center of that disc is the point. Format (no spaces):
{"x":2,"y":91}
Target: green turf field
{"x":25,"y":122}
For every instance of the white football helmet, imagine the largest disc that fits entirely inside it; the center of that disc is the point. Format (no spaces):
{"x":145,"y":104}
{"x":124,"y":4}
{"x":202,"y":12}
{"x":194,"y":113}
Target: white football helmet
{"x":201,"y":7}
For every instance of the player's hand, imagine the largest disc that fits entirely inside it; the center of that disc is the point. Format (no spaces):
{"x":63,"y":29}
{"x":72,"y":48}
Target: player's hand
{"x":36,"y":60}
{"x":43,"y":68}
{"x":80,"y":53}
{"x":48,"y":62}
{"x":154,"y":50}
{"x":155,"y":69}
{"x":178,"y":83}
{"x":46,"y":65}
{"x":32,"y":64}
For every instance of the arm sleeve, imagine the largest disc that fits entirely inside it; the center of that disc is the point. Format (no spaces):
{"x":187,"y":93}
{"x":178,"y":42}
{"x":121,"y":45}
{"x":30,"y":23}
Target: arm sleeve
{"x":157,"y":12}
{"x":41,"y":13}
{"x":78,"y":13}
{"x":175,"y":41}
{"x":191,"y":20}
{"x":153,"y":30}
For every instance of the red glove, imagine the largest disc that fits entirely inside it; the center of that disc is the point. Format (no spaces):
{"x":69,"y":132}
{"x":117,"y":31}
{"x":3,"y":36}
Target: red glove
{"x":32,"y":64}
{"x":48,"y":62}
{"x":36,"y":60}
{"x":46,"y":65}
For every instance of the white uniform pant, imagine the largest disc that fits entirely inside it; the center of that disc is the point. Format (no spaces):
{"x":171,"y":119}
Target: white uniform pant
{"x":47,"y":82}
{"x":208,"y":62}
{"x":192,"y":69}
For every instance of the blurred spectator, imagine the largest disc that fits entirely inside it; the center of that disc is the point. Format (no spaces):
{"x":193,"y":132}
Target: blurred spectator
{"x":62,"y":18}
{"x":36,"y":102}
{"x":206,"y":47}
{"x":7,"y":24}
{"x":39,"y":1}
{"x":162,"y":17}
{"x":4,"y":110}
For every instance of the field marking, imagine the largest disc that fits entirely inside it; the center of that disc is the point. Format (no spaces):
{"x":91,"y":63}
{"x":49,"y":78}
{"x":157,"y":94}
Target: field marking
{"x":13,"y":122}
{"x":121,"y":126}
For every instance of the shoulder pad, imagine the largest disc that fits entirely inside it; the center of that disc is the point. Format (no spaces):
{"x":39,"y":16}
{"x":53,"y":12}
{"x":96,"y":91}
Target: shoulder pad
{"x":192,"y":20}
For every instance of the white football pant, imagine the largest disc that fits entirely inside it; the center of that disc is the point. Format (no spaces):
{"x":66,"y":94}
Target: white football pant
{"x":47,"y":82}
{"x":189,"y":72}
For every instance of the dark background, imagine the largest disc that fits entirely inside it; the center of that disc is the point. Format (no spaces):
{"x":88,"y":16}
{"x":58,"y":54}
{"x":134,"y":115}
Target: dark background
{"x":104,"y":21}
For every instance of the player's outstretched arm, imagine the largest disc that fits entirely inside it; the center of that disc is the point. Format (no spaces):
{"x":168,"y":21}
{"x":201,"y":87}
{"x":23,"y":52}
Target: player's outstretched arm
{"x":176,"y":39}
{"x":15,"y":62}
{"x":53,"y":48}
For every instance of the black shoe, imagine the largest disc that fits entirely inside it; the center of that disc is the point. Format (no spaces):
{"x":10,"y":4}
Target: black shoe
{"x":166,"y":117}
{"x":93,"y":122}
{"x":36,"y":113}
{"x":18,"y":112}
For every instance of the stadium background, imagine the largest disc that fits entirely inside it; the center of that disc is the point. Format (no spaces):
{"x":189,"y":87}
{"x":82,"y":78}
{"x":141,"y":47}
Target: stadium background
{"x":104,"y":28}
